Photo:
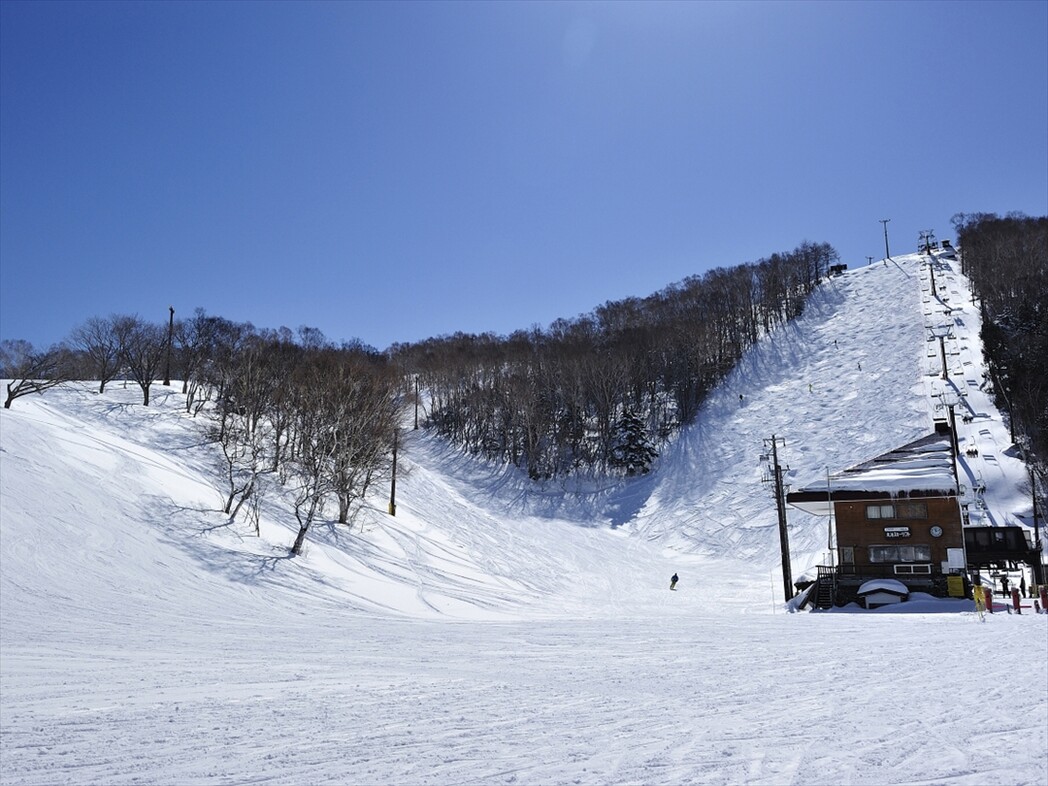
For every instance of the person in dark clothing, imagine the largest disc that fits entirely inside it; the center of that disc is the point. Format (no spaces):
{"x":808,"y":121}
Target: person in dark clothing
{"x":673,"y":581}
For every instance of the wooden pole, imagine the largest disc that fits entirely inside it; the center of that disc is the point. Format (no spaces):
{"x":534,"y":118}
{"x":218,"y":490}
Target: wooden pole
{"x":1038,"y":566}
{"x":784,"y":535}
{"x":393,"y":483}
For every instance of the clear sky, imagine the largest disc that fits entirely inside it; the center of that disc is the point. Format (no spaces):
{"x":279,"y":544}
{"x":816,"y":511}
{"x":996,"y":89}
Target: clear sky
{"x":400,"y":170}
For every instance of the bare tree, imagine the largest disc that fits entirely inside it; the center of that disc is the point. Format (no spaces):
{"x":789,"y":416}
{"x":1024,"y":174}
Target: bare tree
{"x":194,"y":345}
{"x":32,"y":371}
{"x":365,"y":412}
{"x":243,"y":457}
{"x":143,"y":347}
{"x":97,"y":339}
{"x":310,"y":465}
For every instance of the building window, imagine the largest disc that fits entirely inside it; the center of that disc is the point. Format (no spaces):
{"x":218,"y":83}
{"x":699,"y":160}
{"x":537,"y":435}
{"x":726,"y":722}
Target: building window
{"x":900,"y":553}
{"x":911,"y":510}
{"x":904,"y":510}
{"x":847,"y":555}
{"x":910,"y":570}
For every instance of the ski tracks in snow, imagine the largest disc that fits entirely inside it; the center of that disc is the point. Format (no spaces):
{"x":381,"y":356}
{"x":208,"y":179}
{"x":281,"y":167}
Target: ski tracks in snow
{"x":711,"y":698}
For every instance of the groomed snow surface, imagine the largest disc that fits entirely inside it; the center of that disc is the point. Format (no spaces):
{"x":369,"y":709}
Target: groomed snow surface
{"x":496,"y":632}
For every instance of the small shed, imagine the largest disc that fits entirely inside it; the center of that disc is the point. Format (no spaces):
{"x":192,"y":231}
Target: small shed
{"x":882,"y":592}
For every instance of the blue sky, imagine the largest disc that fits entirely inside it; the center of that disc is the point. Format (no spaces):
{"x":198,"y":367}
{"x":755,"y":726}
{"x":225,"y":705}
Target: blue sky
{"x":395,"y":171}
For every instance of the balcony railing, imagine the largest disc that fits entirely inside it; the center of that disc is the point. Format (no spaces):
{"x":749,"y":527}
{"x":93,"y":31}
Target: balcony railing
{"x":895,"y":570}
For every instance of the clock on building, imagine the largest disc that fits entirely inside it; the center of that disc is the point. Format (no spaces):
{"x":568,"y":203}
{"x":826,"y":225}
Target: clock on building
{"x":936,"y":531}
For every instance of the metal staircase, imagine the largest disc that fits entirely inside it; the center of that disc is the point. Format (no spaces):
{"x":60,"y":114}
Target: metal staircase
{"x":825,"y":588}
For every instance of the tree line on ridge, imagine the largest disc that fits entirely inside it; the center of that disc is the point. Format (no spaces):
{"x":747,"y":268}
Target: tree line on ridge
{"x":1006,"y":261}
{"x":602,"y":392}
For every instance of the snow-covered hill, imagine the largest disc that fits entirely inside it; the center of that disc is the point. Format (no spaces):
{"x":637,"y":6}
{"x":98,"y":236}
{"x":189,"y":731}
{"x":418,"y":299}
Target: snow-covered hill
{"x":495,"y":631}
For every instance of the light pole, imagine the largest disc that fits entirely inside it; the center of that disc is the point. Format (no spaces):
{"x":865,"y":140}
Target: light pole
{"x":170,"y":340}
{"x":885,"y":221}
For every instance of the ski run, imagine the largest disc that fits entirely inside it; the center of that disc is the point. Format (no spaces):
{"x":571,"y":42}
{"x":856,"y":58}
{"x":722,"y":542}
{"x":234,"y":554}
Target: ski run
{"x":496,"y":631}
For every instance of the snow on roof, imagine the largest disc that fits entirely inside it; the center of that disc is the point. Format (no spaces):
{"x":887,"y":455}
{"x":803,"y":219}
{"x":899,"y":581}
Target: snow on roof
{"x":884,"y":585}
{"x":925,"y":465}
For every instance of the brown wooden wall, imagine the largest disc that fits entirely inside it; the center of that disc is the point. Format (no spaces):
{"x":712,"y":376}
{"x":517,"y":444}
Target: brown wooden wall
{"x":855,"y":530}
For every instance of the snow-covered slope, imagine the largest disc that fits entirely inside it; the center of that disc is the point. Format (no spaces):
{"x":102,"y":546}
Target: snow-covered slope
{"x":857,"y":375}
{"x":839,"y":385}
{"x":497,"y":631}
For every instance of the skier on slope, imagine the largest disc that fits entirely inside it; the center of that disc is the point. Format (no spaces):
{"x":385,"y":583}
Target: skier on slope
{"x":673,"y":581}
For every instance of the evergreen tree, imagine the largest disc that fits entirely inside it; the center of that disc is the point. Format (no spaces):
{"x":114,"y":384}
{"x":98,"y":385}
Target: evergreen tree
{"x":631,"y":449}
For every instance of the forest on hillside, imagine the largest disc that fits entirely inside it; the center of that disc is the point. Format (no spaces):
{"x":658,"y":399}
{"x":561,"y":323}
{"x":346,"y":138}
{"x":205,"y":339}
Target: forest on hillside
{"x":1006,"y":260}
{"x":598,"y":393}
{"x":320,"y":419}
{"x":603,"y":391}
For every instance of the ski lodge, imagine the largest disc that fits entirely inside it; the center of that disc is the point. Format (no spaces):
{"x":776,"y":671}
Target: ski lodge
{"x":895,"y":517}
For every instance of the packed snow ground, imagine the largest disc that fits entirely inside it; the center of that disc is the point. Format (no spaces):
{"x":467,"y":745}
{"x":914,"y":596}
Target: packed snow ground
{"x":499,"y":632}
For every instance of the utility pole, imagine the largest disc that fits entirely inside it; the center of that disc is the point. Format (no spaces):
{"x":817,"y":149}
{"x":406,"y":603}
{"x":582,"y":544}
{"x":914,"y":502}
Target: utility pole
{"x":780,"y":507}
{"x":393,"y":483}
{"x":885,"y":221}
{"x":416,"y":402}
{"x":1038,"y":568}
{"x":170,"y":340}
{"x":829,"y":521}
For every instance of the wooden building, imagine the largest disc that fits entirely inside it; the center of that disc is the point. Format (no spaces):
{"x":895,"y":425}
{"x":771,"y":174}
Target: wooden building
{"x":894,"y":517}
